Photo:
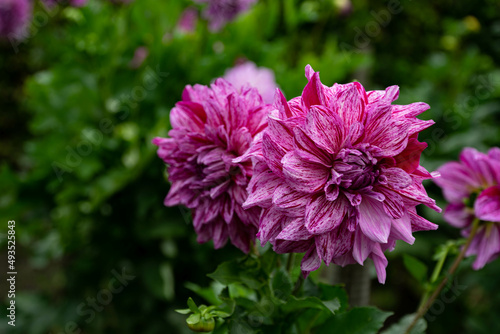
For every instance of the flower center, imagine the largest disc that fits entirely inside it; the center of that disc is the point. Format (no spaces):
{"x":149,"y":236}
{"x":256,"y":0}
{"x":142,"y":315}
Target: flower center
{"x":354,"y":169}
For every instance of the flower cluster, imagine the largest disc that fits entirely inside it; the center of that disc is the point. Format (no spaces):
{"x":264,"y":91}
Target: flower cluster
{"x":211,"y":126}
{"x":219,"y":12}
{"x":337,"y":174}
{"x":472,"y":187}
{"x":14,"y":16}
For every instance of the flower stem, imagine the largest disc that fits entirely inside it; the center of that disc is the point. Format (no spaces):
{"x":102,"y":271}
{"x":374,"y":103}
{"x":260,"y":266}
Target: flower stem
{"x":290,"y":261}
{"x":425,"y":306}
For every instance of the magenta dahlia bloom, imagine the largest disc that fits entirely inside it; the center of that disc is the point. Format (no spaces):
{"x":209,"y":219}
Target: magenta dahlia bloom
{"x":472,"y":188}
{"x":14,"y":17}
{"x":211,"y":126}
{"x":220,"y":12}
{"x":338,"y":175}
{"x":248,"y":73}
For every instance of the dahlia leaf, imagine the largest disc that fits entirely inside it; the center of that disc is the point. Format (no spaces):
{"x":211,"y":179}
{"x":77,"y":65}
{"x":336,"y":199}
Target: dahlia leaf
{"x":415,"y":267}
{"x":404,"y":323}
{"x":360,"y":320}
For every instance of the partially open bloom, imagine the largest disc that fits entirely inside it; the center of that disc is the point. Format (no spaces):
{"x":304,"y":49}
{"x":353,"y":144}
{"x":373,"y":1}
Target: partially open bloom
{"x":14,"y":17}
{"x":219,"y":12}
{"x":211,"y":126}
{"x":472,"y":188}
{"x":338,"y":175}
{"x":248,"y":73}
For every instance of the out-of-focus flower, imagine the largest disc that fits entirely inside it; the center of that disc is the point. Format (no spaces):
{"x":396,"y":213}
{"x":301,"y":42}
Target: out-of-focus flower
{"x":73,"y":3}
{"x":188,"y":20}
{"x":14,"y":17}
{"x":338,"y":175}
{"x":210,"y":127}
{"x":249,"y":74}
{"x":344,"y":7}
{"x":140,"y":55}
{"x":472,"y":188}
{"x":220,"y":12}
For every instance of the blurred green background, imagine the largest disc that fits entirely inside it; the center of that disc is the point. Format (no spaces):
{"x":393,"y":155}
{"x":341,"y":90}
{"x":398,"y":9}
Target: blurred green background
{"x":80,"y":176}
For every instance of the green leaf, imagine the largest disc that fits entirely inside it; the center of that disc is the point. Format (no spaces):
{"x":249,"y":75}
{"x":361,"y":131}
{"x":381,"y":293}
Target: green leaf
{"x":403,"y":324}
{"x":193,"y":318}
{"x":360,"y":320}
{"x":209,"y":293}
{"x":245,"y":271}
{"x":329,"y":292}
{"x":184,"y":311}
{"x":220,"y":314}
{"x":416,"y":268}
{"x":281,"y":284}
{"x":192,"y":305}
{"x":295,"y":304}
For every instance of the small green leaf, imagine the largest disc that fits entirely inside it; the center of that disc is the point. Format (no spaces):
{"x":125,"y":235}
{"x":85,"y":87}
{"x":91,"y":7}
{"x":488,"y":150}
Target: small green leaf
{"x":220,"y":314}
{"x":416,"y":268}
{"x":193,"y":318}
{"x":329,"y":292}
{"x":360,"y":320}
{"x":184,"y":311}
{"x":192,"y":306}
{"x":403,"y":324}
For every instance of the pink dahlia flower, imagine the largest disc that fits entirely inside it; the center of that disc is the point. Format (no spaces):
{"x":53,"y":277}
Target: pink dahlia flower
{"x":211,"y":126}
{"x":220,"y":12}
{"x":472,"y":188}
{"x":338,"y":175}
{"x":249,"y":74}
{"x":14,"y":17}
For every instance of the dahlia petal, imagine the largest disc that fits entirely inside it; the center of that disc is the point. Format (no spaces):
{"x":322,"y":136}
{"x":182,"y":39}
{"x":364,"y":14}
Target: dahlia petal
{"x":397,"y":178}
{"x":380,"y":262}
{"x":293,"y":202}
{"x":494,"y":153}
{"x":487,"y":205}
{"x":188,"y":115}
{"x":305,"y":147}
{"x":419,"y":223}
{"x":418,"y":125}
{"x":304,"y":175}
{"x":239,"y":239}
{"x":416,"y":192}
{"x":269,"y":225}
{"x":313,"y":92}
{"x":322,"y":216}
{"x":393,"y":203}
{"x":479,"y":164}
{"x":356,"y":132}
{"x":486,"y":246}
{"x":261,"y":188}
{"x":309,"y":72}
{"x":273,"y":154}
{"x":362,"y":247}
{"x":458,"y":215}
{"x":373,"y":220}
{"x":310,"y":261}
{"x":220,"y":234}
{"x":401,"y":230}
{"x":350,"y":105}
{"x":325,"y":128}
{"x":409,"y":159}
{"x":295,"y":231}
{"x":333,"y":244}
{"x":410,"y":110}
{"x":456,"y":181}
{"x":279,"y":132}
{"x":391,"y":136}
{"x":287,"y":246}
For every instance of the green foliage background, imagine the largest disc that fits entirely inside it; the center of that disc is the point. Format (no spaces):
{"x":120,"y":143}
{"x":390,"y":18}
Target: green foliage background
{"x":80,"y":177}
